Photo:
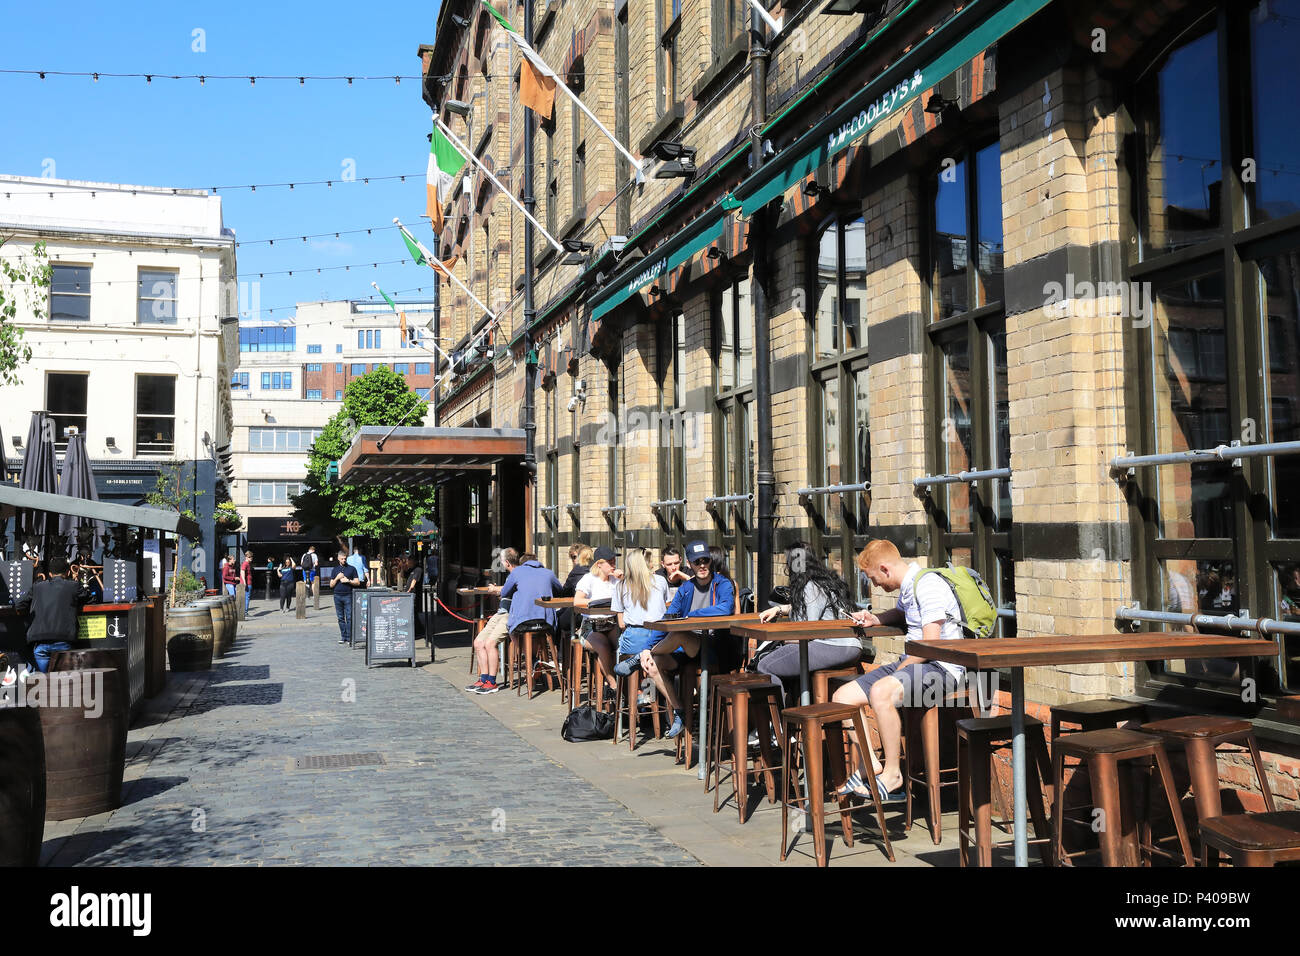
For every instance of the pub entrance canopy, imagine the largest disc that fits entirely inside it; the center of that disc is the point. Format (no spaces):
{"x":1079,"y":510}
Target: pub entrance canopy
{"x":151,"y":519}
{"x":402,"y":456}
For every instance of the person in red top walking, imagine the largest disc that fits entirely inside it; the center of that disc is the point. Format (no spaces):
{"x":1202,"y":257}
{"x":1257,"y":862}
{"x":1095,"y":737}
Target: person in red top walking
{"x":229,"y":574}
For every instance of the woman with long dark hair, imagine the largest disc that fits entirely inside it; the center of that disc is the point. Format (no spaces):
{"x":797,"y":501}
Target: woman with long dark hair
{"x":287,"y":581}
{"x":816,"y":594}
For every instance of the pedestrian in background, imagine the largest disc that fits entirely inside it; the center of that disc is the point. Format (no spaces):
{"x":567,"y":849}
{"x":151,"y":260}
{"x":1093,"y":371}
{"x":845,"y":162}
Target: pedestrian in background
{"x":287,"y":582}
{"x":345,"y":579}
{"x":246,"y":578}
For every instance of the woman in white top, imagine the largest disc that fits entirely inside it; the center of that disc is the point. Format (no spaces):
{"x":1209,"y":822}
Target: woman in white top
{"x":816,"y":594}
{"x":640,"y":597}
{"x":599,"y":633}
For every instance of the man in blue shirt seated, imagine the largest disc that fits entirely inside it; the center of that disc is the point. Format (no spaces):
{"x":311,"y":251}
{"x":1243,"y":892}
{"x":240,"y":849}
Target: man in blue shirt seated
{"x":707,"y":594}
{"x":358,"y":561}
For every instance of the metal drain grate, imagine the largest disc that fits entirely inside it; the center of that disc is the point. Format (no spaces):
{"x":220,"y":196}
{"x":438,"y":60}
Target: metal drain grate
{"x":338,"y":761}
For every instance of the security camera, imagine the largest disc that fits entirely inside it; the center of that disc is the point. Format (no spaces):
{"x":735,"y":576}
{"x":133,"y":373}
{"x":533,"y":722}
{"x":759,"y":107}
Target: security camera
{"x":573,"y":403}
{"x":580,"y":388}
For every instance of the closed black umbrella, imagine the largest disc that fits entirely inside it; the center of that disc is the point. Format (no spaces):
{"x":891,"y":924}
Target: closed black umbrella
{"x":77,"y":481}
{"x":38,"y":475}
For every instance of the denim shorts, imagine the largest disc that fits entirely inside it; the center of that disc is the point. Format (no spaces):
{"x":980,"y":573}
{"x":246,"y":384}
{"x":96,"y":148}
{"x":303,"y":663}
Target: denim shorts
{"x":637,"y":639}
{"x":924,"y":684}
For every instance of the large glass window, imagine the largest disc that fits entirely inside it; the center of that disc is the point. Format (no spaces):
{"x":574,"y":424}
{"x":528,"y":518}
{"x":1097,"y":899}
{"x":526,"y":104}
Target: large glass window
{"x":1216,"y":215}
{"x":267,"y":338}
{"x":728,"y":24}
{"x":70,"y":294}
{"x":970,"y":410}
{"x":281,"y":439}
{"x":272,"y":492}
{"x":66,"y":398}
{"x":840,"y":433}
{"x":155,"y":414}
{"x":735,"y":429}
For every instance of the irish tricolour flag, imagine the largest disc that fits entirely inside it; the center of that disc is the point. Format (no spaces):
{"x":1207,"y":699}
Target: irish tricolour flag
{"x":536,"y":79}
{"x":445,"y":164}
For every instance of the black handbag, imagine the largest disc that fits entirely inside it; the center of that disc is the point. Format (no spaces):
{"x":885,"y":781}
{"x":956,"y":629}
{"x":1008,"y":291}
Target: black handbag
{"x":587,"y":723}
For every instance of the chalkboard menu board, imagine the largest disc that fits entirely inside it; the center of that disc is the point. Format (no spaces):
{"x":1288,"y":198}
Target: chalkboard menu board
{"x":390,"y":628}
{"x":119,"y":581}
{"x":15,"y":581}
{"x":360,"y":623}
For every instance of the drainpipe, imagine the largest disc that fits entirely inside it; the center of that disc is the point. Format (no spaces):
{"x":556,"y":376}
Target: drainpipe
{"x":530,"y":365}
{"x":758,"y":61}
{"x":437,"y":328}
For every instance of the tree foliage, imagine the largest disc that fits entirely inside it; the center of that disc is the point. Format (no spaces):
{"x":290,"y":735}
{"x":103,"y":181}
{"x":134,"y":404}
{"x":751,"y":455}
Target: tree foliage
{"x":379,"y":398}
{"x":33,"y":276}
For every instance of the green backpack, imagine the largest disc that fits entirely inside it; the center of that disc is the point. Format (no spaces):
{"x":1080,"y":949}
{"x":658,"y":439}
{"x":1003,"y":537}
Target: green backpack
{"x":979,"y":615}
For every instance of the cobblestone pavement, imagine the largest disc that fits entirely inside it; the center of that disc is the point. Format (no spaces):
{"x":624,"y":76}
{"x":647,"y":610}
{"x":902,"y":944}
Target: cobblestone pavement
{"x":211,"y":780}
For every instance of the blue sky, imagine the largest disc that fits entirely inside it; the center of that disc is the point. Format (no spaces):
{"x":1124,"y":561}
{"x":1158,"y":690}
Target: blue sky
{"x":226,"y":132}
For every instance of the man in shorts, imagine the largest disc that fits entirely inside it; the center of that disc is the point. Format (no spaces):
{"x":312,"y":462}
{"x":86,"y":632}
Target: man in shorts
{"x":486,"y":651}
{"x":929,"y":610}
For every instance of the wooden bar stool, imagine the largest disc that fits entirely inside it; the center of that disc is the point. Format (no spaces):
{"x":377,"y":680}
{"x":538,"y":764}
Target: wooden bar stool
{"x":978,"y":739}
{"x":1095,"y":714}
{"x":537,"y":638}
{"x":713,"y":755}
{"x":1200,"y":738}
{"x":586,"y":669}
{"x":818,"y":735}
{"x":688,"y":676}
{"x":1102,"y":751}
{"x":923,"y":728}
{"x":1252,"y":839}
{"x":821,"y":680}
{"x":628,"y":689}
{"x":763,"y":717}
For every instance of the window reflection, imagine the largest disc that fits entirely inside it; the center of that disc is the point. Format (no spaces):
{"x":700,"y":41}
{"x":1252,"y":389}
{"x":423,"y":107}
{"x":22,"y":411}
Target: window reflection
{"x":988,"y":201}
{"x":1183,"y":168}
{"x":1280,"y":282}
{"x":956,"y":435}
{"x":949,"y":243}
{"x":1273,"y":45}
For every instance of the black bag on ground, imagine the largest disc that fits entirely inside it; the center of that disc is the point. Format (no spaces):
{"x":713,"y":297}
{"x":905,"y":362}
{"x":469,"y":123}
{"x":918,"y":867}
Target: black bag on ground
{"x":587,"y":723}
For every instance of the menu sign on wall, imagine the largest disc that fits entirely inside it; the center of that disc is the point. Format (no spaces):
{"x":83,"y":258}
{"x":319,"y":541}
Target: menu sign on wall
{"x":390,"y":631}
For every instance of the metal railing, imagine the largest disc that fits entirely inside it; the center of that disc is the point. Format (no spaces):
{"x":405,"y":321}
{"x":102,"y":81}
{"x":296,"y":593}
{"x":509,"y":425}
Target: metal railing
{"x":929,"y":481}
{"x":834,"y":489}
{"x":1239,"y":622}
{"x":612,"y":508}
{"x":715,"y":500}
{"x":667,"y":503}
{"x":1124,"y":465}
{"x":573,"y":508}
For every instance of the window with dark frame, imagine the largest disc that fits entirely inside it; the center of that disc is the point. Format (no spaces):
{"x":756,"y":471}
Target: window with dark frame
{"x":735,"y":425}
{"x":840,"y":427}
{"x":967,"y":363}
{"x":671,"y":434}
{"x":67,"y":399}
{"x":70,"y":293}
{"x":1216,"y":360}
{"x":728,"y":25}
{"x":155,"y":414}
{"x":669,"y":25}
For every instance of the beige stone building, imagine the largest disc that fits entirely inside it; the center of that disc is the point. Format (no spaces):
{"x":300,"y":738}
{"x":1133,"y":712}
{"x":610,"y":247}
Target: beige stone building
{"x":1019,"y":238}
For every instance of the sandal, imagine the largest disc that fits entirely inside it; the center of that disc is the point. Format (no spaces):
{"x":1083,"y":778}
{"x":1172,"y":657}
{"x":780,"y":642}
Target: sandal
{"x":854,"y":787}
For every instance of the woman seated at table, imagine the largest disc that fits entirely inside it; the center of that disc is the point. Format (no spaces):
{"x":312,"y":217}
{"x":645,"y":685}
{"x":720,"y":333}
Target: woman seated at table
{"x":816,"y":594}
{"x":641,"y":596}
{"x":709,"y":593}
{"x":580,"y":557}
{"x":599,"y":632}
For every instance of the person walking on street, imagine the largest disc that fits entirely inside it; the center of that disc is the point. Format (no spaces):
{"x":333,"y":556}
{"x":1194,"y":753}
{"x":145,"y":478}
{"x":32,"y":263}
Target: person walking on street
{"x":287,"y":583}
{"x":345,"y":579}
{"x":310,"y":566}
{"x":229,"y":574}
{"x":246,"y":578}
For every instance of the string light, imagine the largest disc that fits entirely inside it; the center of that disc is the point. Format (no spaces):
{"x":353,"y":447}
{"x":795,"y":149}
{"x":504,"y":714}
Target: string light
{"x":302,"y":79}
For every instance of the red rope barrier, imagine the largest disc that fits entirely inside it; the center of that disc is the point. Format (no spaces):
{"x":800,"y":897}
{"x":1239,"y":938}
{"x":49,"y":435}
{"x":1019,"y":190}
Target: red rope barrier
{"x":453,"y":613}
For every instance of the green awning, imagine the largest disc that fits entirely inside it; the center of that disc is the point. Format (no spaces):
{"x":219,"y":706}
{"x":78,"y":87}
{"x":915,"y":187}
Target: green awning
{"x":934,"y":59}
{"x":703,"y":232}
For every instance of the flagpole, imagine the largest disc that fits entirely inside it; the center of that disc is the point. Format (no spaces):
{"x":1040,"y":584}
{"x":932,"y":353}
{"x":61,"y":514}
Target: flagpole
{"x":448,"y":273}
{"x":577,"y":101}
{"x":437,"y":347}
{"x":482,"y":332}
{"x":496,"y":182}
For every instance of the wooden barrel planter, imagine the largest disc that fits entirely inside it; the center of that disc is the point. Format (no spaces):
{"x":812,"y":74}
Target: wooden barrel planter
{"x":189,"y":638}
{"x":22,"y":786}
{"x":232,"y":617}
{"x":85,"y":746}
{"x":219,"y":611}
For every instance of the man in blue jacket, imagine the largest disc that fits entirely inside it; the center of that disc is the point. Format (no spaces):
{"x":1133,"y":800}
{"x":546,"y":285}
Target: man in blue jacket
{"x":707,"y":594}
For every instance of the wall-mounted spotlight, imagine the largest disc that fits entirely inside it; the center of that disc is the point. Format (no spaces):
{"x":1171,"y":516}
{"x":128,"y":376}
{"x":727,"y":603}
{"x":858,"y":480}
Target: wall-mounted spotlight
{"x":459,"y":107}
{"x":938,"y":103}
{"x":461,"y":22}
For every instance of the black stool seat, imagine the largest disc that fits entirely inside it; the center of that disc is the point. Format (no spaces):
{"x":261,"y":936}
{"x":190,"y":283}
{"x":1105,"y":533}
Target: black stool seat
{"x":994,"y":726}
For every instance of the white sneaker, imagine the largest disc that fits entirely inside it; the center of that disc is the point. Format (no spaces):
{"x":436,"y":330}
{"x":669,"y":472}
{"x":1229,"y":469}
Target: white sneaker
{"x":26,"y":672}
{"x":10,"y":678}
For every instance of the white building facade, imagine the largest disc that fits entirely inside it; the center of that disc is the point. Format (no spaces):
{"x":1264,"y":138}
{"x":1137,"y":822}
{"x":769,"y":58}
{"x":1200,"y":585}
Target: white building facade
{"x":136,"y":339}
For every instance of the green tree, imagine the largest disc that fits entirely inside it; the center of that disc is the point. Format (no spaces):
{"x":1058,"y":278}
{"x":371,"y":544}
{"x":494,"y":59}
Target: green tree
{"x":380,"y":398}
{"x":171,"y":493}
{"x":33,"y":275}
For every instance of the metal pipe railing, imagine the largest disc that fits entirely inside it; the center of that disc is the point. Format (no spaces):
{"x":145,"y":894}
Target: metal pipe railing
{"x":613,"y":508}
{"x":833,"y":489}
{"x":1124,"y":464}
{"x":548,"y":508}
{"x":927,"y":481}
{"x":667,"y":503}
{"x":726,"y":499}
{"x":1261,"y":625}
{"x":1007,"y":613}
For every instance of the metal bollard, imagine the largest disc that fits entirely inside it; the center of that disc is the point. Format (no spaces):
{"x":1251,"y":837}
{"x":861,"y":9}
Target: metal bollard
{"x":300,"y":593}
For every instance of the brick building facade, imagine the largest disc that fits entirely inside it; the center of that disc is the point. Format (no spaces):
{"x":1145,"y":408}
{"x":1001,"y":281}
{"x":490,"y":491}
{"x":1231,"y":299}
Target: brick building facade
{"x":1006,"y":235}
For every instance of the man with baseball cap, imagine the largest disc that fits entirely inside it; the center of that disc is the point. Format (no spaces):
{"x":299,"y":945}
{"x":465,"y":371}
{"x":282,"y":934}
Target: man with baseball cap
{"x":706,"y":595}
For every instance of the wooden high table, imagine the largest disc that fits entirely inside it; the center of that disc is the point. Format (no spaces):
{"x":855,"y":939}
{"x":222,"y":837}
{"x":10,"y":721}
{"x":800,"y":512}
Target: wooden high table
{"x":805,"y":631}
{"x":1017,"y":653}
{"x":479,"y":593}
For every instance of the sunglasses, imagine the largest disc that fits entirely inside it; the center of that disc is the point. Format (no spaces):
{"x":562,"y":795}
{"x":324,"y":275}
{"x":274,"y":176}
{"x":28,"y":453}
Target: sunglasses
{"x":700,"y":562}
